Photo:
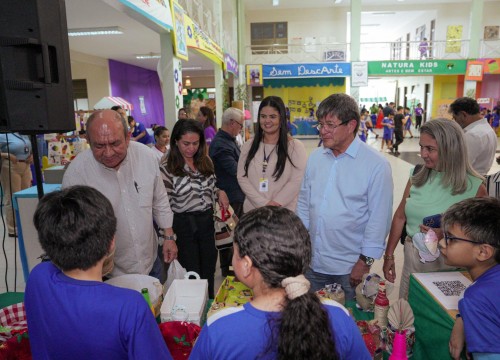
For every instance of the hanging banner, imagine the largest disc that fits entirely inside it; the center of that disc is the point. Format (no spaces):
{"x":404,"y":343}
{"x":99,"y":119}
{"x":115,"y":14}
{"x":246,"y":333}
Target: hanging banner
{"x":288,"y":71}
{"x":254,"y":75}
{"x":197,"y":39}
{"x":231,"y":64}
{"x":417,"y":67}
{"x":180,"y":44}
{"x":490,"y":66}
{"x":157,"y":11}
{"x":359,"y":74}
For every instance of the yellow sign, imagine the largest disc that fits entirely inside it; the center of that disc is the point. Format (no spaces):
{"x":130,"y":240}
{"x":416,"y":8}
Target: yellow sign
{"x":197,"y":39}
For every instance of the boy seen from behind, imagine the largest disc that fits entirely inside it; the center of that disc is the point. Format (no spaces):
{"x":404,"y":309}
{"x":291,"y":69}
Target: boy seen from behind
{"x":71,"y":313}
{"x":472,"y":240}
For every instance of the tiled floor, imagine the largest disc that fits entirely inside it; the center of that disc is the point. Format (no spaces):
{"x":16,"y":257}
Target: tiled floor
{"x":400,"y":169}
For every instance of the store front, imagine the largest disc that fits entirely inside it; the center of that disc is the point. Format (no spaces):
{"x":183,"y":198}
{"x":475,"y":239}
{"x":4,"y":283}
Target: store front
{"x":302,"y":87}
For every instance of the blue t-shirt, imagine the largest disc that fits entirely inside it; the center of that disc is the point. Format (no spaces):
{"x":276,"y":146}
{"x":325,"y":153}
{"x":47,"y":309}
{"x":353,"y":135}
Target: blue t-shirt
{"x":75,"y":319}
{"x":18,"y":145}
{"x":138,"y":129}
{"x":387,"y":130}
{"x":243,"y":333}
{"x":480,"y":310}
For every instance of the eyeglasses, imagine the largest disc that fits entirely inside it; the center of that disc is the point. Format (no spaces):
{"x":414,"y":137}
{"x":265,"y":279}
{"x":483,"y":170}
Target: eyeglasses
{"x":330,"y":126}
{"x":448,"y":238}
{"x":237,"y":122}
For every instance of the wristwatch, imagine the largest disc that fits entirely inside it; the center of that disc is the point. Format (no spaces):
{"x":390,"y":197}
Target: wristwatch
{"x":367,"y":260}
{"x":162,"y":238}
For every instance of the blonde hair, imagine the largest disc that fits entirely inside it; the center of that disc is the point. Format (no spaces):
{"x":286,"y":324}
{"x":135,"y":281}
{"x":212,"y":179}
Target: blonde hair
{"x":453,"y":160}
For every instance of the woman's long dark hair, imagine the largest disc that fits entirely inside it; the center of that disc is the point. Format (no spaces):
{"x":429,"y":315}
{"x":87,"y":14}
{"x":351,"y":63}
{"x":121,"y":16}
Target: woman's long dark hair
{"x":282,"y":150}
{"x":206,"y":111}
{"x":278,"y":244}
{"x":175,"y":161}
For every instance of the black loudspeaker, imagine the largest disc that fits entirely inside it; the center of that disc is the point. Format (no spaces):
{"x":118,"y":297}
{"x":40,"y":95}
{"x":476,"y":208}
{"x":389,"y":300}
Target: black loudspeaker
{"x":36,"y":94}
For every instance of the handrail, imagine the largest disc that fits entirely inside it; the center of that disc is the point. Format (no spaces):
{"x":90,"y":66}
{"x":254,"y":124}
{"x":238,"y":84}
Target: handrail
{"x":371,"y":51}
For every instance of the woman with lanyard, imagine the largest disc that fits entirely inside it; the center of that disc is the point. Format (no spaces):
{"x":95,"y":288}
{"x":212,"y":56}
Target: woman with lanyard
{"x":189,"y":177}
{"x":271,"y":166}
{"x":16,"y":172}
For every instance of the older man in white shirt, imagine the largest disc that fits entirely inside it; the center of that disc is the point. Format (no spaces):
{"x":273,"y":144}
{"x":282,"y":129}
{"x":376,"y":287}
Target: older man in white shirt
{"x":127,"y":173}
{"x":480,"y":138}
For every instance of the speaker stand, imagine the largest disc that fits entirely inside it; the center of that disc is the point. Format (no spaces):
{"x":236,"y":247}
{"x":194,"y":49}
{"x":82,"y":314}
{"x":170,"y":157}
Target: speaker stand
{"x":36,"y":164}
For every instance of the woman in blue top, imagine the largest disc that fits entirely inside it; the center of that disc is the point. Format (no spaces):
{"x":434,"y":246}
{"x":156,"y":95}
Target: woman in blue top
{"x":272,"y":250}
{"x":16,"y":172}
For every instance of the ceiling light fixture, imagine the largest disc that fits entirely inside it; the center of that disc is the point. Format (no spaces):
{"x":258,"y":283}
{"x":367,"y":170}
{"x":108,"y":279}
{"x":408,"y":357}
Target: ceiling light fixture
{"x":337,"y":1}
{"x":276,"y":2}
{"x":188,"y":82}
{"x":113,"y":30}
{"x":148,"y":56}
{"x":192,"y":68}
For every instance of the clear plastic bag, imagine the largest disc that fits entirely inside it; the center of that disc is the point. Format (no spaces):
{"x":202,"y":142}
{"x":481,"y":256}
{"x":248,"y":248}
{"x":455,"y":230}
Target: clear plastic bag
{"x":175,"y":271}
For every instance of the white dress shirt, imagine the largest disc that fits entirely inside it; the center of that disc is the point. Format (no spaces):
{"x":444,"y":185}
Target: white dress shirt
{"x":481,"y":143}
{"x":138,"y":196}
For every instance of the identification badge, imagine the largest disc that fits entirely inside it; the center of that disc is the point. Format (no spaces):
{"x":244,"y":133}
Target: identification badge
{"x":263,"y":185}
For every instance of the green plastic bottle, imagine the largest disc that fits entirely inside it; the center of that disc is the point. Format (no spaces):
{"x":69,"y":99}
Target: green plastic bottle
{"x":145,"y":295}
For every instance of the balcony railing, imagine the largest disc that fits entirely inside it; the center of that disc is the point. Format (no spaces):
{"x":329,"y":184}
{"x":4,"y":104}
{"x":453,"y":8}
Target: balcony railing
{"x":413,"y":50}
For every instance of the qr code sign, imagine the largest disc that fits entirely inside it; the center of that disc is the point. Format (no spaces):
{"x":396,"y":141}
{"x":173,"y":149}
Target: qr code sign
{"x":450,"y":288}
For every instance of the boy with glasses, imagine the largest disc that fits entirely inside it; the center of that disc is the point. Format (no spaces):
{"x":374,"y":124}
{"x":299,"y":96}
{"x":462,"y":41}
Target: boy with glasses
{"x":472,"y":240}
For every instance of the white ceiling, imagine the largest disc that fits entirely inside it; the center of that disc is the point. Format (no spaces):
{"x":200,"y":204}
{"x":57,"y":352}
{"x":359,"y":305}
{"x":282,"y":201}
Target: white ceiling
{"x":139,"y":39}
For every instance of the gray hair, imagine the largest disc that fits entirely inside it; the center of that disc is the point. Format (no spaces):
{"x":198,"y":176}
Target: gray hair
{"x":452,"y":154}
{"x":99,"y":115}
{"x":231,"y":114}
{"x":343,"y":106}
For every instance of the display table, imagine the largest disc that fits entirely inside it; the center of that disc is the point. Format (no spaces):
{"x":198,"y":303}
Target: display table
{"x":10,"y":298}
{"x":433,"y":324}
{"x":25,"y":203}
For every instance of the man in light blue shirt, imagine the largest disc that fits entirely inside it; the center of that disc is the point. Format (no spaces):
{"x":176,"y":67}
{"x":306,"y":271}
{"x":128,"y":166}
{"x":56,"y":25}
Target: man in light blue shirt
{"x":345,"y":200}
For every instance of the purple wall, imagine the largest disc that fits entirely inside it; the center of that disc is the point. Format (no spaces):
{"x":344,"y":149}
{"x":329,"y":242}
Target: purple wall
{"x":490,"y":87}
{"x":130,"y":82}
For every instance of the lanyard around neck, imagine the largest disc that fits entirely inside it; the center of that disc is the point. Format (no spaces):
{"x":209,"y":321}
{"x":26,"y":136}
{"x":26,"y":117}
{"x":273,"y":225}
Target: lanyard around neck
{"x":266,"y":158}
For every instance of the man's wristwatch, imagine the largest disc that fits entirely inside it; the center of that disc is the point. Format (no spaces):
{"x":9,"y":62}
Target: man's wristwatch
{"x":367,"y":260}
{"x":162,"y":238}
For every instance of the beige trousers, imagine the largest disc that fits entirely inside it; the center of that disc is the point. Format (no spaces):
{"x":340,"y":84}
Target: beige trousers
{"x":17,"y":179}
{"x":412,"y":264}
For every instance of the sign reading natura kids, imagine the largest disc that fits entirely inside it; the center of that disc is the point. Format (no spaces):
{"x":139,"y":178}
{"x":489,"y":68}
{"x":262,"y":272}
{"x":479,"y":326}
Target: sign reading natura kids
{"x":417,"y":67}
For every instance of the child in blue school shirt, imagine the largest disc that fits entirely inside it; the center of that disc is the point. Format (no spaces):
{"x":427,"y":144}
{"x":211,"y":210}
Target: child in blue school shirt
{"x":388,"y":124}
{"x":472,"y":240}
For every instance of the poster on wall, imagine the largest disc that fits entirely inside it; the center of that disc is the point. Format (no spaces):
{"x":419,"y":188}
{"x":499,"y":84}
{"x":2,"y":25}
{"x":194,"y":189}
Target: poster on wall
{"x":359,"y":73}
{"x":474,"y":71}
{"x":453,"y":39}
{"x":254,"y":75}
{"x":491,"y":32}
{"x":180,"y":43}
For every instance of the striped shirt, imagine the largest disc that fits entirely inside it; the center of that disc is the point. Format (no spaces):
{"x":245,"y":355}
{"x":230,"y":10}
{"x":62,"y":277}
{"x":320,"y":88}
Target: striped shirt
{"x":195,"y":192}
{"x":493,"y":185}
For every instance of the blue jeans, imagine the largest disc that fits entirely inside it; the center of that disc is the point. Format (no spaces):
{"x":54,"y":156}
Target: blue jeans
{"x":319,"y":281}
{"x":157,"y":269}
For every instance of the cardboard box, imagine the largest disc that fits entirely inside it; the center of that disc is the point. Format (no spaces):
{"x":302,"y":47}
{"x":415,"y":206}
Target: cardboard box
{"x":189,"y":294}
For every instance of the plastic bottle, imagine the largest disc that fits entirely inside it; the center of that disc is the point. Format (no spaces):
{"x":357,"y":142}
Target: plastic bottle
{"x":145,"y":295}
{"x":381,"y":306}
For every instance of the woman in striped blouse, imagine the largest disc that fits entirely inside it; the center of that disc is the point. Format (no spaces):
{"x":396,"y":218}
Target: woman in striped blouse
{"x":188,"y":175}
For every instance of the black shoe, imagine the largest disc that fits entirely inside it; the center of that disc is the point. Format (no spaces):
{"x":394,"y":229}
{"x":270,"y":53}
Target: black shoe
{"x":12,"y":235}
{"x":498,"y":160}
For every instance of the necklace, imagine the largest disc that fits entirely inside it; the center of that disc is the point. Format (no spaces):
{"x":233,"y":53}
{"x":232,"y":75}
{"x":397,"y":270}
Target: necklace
{"x":266,"y":158}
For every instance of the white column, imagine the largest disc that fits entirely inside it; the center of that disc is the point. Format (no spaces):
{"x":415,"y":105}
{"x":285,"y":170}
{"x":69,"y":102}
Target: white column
{"x":218,"y":70}
{"x":170,"y":73}
{"x":355,"y":39}
{"x":475,"y":28}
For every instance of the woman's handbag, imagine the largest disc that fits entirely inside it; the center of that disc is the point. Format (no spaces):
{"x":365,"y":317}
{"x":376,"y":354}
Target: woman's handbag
{"x":224,"y":223}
